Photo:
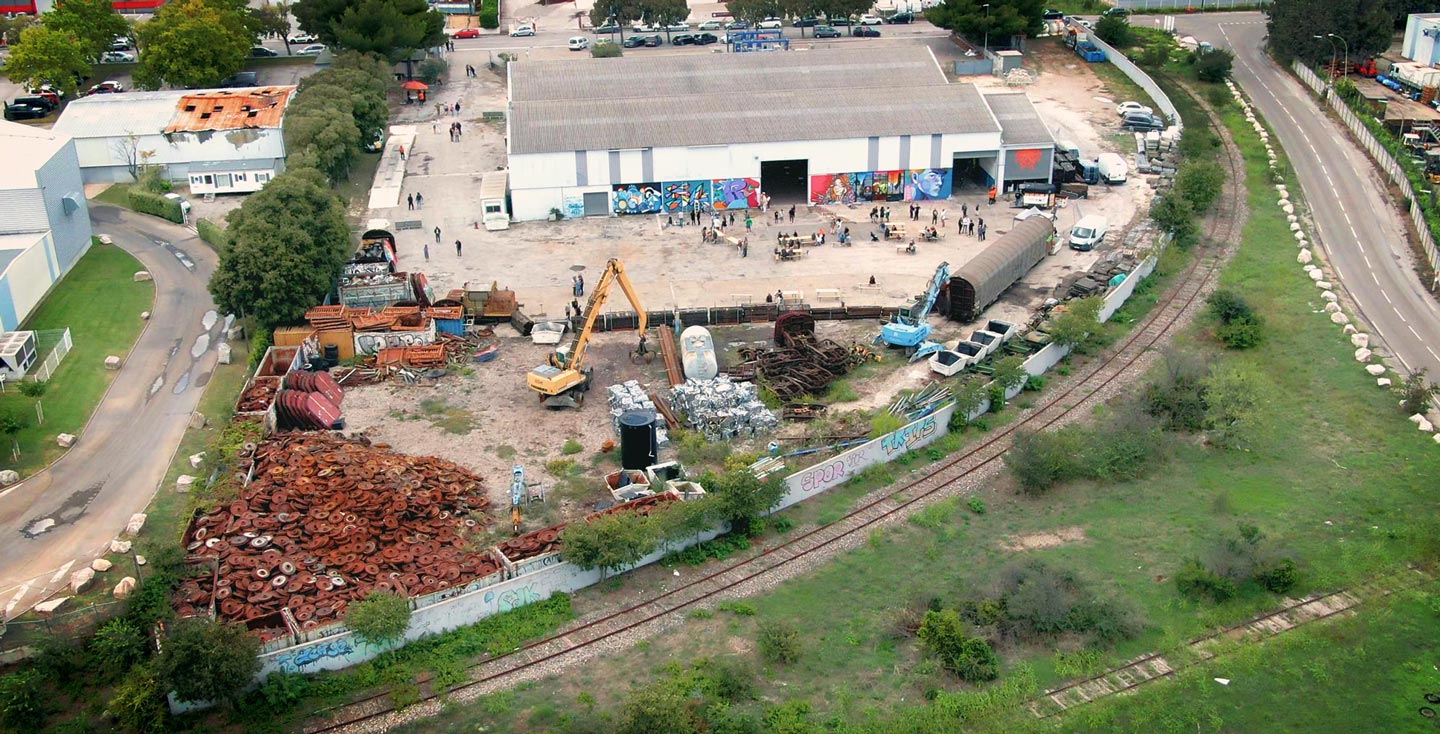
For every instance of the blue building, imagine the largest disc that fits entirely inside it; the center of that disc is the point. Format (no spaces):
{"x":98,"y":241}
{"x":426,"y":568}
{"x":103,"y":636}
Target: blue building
{"x":44,"y":222}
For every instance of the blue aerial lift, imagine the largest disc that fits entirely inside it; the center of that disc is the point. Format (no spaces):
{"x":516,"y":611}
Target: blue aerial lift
{"x":909,"y":329}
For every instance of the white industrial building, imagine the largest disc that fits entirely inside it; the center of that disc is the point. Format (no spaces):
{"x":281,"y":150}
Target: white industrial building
{"x":1421,"y":32}
{"x":641,"y":135}
{"x":44,"y":222}
{"x":217,"y":141}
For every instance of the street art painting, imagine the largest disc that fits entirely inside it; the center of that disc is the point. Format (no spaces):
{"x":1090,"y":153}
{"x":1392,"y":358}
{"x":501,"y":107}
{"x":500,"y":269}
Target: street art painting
{"x":886,"y":186}
{"x":928,"y":184}
{"x":573,"y":207}
{"x":832,"y":188}
{"x":735,"y":193}
{"x":636,"y":198}
{"x":685,"y":196}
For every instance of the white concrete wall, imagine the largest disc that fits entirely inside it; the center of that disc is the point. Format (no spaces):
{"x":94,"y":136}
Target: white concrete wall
{"x":31,"y":275}
{"x":182,"y":149}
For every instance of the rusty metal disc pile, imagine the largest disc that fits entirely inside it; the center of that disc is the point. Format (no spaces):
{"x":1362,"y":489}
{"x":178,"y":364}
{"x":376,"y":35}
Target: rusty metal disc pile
{"x":259,"y":396}
{"x":325,"y":521}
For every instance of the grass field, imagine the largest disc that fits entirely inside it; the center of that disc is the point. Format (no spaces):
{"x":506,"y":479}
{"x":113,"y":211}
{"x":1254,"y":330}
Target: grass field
{"x":115,"y":195}
{"x":1336,"y":477}
{"x":101,"y":305}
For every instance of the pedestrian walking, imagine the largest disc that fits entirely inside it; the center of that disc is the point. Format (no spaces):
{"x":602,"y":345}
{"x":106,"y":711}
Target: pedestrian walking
{"x":402,"y":152}
{"x":410,"y":201}
{"x":576,"y":305}
{"x":437,"y":109}
{"x":982,"y":233}
{"x":964,"y":210}
{"x":437,"y":234}
{"x":792,"y":213}
{"x":749,"y":223}
{"x":419,"y":200}
{"x":427,"y":252}
{"x":459,"y":131}
{"x":457,"y":248}
{"x":745,"y":247}
{"x":457,"y":109}
{"x":993,"y":192}
{"x":934,"y":217}
{"x":964,"y":224}
{"x":972,"y":228}
{"x":944,"y":218}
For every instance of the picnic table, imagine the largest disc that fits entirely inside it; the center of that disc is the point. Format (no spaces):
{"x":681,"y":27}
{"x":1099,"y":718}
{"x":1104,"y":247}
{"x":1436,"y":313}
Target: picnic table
{"x":894,"y":231}
{"x":788,"y":253}
{"x":796,"y":240}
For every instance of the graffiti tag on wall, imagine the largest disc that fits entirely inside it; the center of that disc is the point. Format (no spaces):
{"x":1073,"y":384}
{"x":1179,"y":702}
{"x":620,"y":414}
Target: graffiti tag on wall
{"x":911,"y":436}
{"x":297,"y":661}
{"x":373,"y":342}
{"x":509,"y":599}
{"x":921,"y":184}
{"x":573,"y":207}
{"x":686,"y":196}
{"x":735,"y":193}
{"x":641,"y":198}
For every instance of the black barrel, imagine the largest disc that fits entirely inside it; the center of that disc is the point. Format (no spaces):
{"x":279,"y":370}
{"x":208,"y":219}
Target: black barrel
{"x":332,"y":353}
{"x":637,"y":439}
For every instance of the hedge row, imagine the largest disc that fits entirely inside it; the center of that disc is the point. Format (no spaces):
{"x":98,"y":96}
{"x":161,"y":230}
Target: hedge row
{"x":490,"y":13}
{"x":212,"y":233}
{"x":148,"y":203}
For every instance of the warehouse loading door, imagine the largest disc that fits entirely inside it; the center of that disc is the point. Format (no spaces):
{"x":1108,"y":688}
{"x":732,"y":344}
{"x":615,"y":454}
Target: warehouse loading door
{"x":597,"y":204}
{"x":785,"y":181}
{"x":973,"y":173}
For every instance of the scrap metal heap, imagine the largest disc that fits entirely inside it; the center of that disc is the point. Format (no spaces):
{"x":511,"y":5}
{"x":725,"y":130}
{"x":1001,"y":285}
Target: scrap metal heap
{"x":721,"y":409}
{"x":630,"y":395}
{"x":806,"y":366}
{"x":323,"y":522}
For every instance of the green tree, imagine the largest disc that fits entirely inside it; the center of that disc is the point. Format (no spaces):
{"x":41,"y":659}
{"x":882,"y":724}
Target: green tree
{"x":1079,"y":321}
{"x":969,"y":396}
{"x":380,"y":618}
{"x":1214,"y":65}
{"x":1200,"y":183}
{"x":971,"y":658}
{"x":117,"y":646}
{"x":754,"y":10}
{"x":94,"y":24}
{"x":1233,"y":405}
{"x":22,"y":700}
{"x":139,"y":701}
{"x":48,"y":56}
{"x":1175,"y":215}
{"x":193,"y":43}
{"x":1115,"y":30}
{"x":204,"y":660}
{"x":391,"y":28}
{"x":610,"y":542}
{"x":287,"y":242}
{"x":272,"y":20}
{"x":1295,"y":24}
{"x":1003,"y":19}
{"x":10,"y":28}
{"x":321,"y":121}
{"x":741,"y":498}
{"x":1009,"y":374}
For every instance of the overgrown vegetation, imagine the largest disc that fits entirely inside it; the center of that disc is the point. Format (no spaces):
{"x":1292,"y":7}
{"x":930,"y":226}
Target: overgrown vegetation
{"x":1240,"y":327}
{"x":1121,"y":447}
{"x":1235,"y":560}
{"x":379,"y":618}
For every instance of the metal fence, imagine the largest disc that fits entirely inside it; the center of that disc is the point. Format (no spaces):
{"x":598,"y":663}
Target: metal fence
{"x":54,"y":344}
{"x":1143,"y":80}
{"x":73,"y":624}
{"x":1383,"y":159}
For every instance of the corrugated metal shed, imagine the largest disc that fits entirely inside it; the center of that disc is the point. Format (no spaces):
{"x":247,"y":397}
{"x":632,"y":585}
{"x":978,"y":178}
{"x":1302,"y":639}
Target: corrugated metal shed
{"x":230,"y":109}
{"x":151,"y":113}
{"x":1020,"y":122}
{"x":976,"y":284}
{"x":746,"y":114}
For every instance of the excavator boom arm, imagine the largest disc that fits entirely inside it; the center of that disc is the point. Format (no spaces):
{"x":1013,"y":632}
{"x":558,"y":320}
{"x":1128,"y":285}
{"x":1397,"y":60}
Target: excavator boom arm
{"x":614,"y":272}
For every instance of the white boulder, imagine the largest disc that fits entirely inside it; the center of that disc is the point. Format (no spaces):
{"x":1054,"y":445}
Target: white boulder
{"x":1317,"y":274}
{"x":197,"y":459}
{"x":1332,"y":307}
{"x":137,"y":521}
{"x":142,"y":275}
{"x":1339,"y":318}
{"x":119,"y":546}
{"x":183,"y":483}
{"x":66,"y":440}
{"x":125,"y":587}
{"x":1360,"y":340}
{"x":1349,"y":328}
{"x":1425,"y":426}
{"x":1304,"y":256}
{"x":144,"y":315}
{"x":47,"y":608}
{"x":100,"y":565}
{"x":1288,"y":208}
{"x":139,"y":560}
{"x":1382,"y":382}
{"x":1329,"y":295}
{"x":9,"y":477}
{"x":112,"y":362}
{"x":1362,"y":355}
{"x":1375,"y":370}
{"x":197,"y":420}
{"x":223,"y":352}
{"x":1325,"y":284}
{"x":81,"y":579}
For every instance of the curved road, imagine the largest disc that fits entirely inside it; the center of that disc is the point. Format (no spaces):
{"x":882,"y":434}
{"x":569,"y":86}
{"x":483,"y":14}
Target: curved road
{"x":66,"y":515}
{"x":1361,"y":230}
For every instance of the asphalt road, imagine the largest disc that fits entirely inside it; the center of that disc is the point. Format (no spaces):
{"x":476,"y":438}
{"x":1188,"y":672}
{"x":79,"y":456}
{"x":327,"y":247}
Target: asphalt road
{"x":1360,"y":229}
{"x":65,"y":516}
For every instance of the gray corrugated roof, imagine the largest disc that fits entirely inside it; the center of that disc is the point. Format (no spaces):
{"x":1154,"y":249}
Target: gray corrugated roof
{"x":642,"y":75}
{"x":1020,"y":122}
{"x":260,"y":164}
{"x":746,"y":114}
{"x":25,"y":149}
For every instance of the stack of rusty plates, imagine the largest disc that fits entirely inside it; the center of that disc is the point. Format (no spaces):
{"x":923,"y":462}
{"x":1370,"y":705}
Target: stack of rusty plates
{"x":306,"y":411}
{"x":317,"y":382}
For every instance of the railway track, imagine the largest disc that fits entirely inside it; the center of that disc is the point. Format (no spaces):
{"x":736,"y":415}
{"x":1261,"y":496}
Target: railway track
{"x":375,"y":713}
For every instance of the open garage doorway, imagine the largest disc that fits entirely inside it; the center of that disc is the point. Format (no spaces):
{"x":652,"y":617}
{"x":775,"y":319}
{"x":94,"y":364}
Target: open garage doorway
{"x":786,"y":181}
{"x":974,"y":174}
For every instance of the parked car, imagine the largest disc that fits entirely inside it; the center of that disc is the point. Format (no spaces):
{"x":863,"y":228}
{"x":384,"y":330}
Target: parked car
{"x":825,"y":31}
{"x":1143,"y":123}
{"x":901,"y":18}
{"x":738,"y":25}
{"x":260,"y":52}
{"x":868,"y":19}
{"x":24,"y":112}
{"x":864,"y":31}
{"x":1116,"y":11}
{"x":121,"y":43}
{"x":683,"y":39}
{"x":522,"y":31}
{"x":653,"y":40}
{"x":184,"y":205}
{"x":314,"y":49}
{"x":607,"y":28}
{"x":241,"y":79}
{"x":467,"y":33}
{"x":106,"y":87}
{"x":376,"y":142}
{"x":711,"y":25}
{"x":117,"y":57}
{"x":49,"y":93}
{"x":578,"y":43}
{"x":301,"y":37}
{"x":770,"y":24}
{"x":1125,"y":108}
{"x":1052,"y":14}
{"x":806,"y":22}
{"x":43,"y":103}
{"x":677,"y":27}
{"x":633,"y":42}
{"x":705,"y":39}
{"x":842,"y":21}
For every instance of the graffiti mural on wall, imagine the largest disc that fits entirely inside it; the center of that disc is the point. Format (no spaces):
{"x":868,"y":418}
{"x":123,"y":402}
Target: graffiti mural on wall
{"x":299,"y":660}
{"x":573,"y":207}
{"x":686,"y":196}
{"x":509,"y":599}
{"x":921,"y":184}
{"x":927,"y":184}
{"x":641,"y":198}
{"x":735,"y":193}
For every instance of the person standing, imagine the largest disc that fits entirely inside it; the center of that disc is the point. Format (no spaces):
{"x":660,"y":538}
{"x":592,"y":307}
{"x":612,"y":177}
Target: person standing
{"x":745,"y":247}
{"x":749,"y":223}
{"x":457,"y":248}
{"x":427,"y":252}
{"x":934,"y":217}
{"x":437,"y":234}
{"x":792,"y":213}
{"x":982,"y":233}
{"x":993,"y":192}
{"x":964,"y":222}
{"x":580,"y":285}
{"x":944,"y":218}
{"x":419,"y":200}
{"x":964,"y":210}
{"x":410,"y":201}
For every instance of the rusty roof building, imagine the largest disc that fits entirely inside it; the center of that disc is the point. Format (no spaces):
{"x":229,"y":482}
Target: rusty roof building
{"x":215,"y":140}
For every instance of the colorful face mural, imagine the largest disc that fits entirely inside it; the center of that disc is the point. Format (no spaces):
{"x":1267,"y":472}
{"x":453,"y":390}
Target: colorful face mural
{"x":735,"y":193}
{"x":923,"y":184}
{"x":686,"y":196}
{"x":636,"y":198}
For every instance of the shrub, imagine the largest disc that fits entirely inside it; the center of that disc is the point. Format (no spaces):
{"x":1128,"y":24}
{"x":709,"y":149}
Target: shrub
{"x":1039,"y":461}
{"x":1242,"y":333}
{"x":606,"y":50}
{"x":1279,"y":577}
{"x":147,"y":202}
{"x":33,"y":388}
{"x":1213,"y":65}
{"x":971,"y":658}
{"x":1197,"y":582}
{"x":977,"y":505}
{"x":283,"y":691}
{"x":571,"y":447}
{"x":655,"y":710}
{"x":203,"y":660}
{"x":490,"y":14}
{"x":1200,"y":183}
{"x":1174,"y":214}
{"x":379,"y":618}
{"x":431,"y":70}
{"x":1177,"y":397}
{"x":1078,"y":322}
{"x":139,"y":701}
{"x":1115,"y":30}
{"x":729,"y":678}
{"x":1037,"y":599}
{"x":22,"y":703}
{"x":778,"y":642}
{"x":117,"y":645}
{"x":1416,"y":393}
{"x":737,"y":608}
{"x":212,"y":233}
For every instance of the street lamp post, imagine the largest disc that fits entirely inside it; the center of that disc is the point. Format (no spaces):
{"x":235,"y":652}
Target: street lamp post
{"x":1332,"y":53}
{"x":1347,"y":52}
{"x":987,"y":28}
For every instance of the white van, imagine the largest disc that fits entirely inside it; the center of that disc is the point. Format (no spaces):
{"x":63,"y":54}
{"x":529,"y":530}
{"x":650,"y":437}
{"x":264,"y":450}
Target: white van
{"x":579,"y":43}
{"x":1112,"y":168}
{"x":1087,"y":233}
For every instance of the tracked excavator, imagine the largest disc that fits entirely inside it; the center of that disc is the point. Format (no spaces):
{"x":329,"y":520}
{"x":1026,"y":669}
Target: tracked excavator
{"x":564,"y":380}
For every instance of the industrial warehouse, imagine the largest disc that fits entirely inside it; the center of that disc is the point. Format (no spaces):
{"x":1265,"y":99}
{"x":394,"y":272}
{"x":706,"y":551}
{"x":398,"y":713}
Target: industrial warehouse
{"x":600,"y":137}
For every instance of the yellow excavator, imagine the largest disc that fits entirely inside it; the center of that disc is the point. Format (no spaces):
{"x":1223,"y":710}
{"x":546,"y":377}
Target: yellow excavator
{"x":563,"y":382}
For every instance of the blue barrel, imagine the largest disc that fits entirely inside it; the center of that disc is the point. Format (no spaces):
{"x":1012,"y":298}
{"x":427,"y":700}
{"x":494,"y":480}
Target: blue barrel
{"x":637,"y":439}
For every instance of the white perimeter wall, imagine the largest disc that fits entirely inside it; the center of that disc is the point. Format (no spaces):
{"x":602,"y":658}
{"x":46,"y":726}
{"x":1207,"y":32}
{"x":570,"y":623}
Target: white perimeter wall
{"x":182,"y":149}
{"x":540,"y":181}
